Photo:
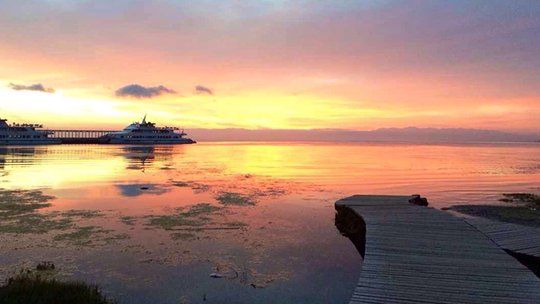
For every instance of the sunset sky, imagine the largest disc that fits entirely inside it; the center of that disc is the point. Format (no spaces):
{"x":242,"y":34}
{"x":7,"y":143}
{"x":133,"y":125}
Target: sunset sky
{"x":272,"y":64}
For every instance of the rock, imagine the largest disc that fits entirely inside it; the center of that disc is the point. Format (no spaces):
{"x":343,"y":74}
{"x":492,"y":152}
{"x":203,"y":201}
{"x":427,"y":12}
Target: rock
{"x":216,"y":275}
{"x":418,"y":200}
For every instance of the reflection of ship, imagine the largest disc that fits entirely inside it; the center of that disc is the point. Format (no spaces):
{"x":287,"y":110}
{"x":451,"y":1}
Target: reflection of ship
{"x":140,"y":157}
{"x":147,"y":133}
{"x":24,"y":134}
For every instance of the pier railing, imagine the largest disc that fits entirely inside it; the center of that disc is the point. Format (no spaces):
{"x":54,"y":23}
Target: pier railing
{"x":78,"y":133}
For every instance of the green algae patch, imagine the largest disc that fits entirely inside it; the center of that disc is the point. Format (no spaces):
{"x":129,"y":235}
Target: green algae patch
{"x":236,"y":224}
{"x":128,"y":220}
{"x":236,"y":199}
{"x":200,"y":209}
{"x":20,"y":202}
{"x":530,"y":199}
{"x":28,"y":287}
{"x":196,"y":187}
{"x":18,"y":213}
{"x":82,"y":213}
{"x":90,"y":235}
{"x":180,"y":184}
{"x":513,"y":214}
{"x":33,"y":223}
{"x":195,"y":216}
{"x":524,"y":210}
{"x":169,"y":222}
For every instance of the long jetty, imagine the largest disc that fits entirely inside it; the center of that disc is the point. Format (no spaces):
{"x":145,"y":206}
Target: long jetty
{"x":79,"y":136}
{"x":416,"y":254}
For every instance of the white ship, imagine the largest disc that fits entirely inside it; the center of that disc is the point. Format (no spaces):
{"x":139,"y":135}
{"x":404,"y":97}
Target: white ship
{"x":147,"y":133}
{"x":24,"y":134}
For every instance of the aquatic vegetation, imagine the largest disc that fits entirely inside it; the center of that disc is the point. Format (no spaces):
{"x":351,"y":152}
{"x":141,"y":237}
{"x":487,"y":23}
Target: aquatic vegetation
{"x":196,"y":187}
{"x":82,"y":213}
{"x":514,"y":214}
{"x":90,"y":235}
{"x":530,"y":199}
{"x":236,"y":224}
{"x":182,"y":236}
{"x":180,"y":184}
{"x":34,"y":223}
{"x":128,"y":220}
{"x":271,"y":192}
{"x":28,"y":287}
{"x":18,"y":213}
{"x":18,"y":202}
{"x":194,"y":216}
{"x":233,"y":198}
{"x":202,"y":208}
{"x":169,"y":222}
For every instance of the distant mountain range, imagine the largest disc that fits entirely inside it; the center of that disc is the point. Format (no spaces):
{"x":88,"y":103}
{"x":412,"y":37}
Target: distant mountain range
{"x":410,"y":134}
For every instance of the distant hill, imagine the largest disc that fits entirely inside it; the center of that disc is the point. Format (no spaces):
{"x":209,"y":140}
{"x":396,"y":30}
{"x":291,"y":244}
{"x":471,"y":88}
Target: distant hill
{"x":410,"y":134}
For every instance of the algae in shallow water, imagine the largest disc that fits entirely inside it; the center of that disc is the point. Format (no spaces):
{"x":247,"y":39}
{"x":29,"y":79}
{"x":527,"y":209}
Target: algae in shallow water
{"x":196,"y":187}
{"x":531,"y":199}
{"x":236,"y":224}
{"x":19,"y":202}
{"x":33,"y":223}
{"x":90,"y":235}
{"x":128,"y":220}
{"x":202,"y":208}
{"x":517,"y":215}
{"x":233,"y":198}
{"x":82,"y":213}
{"x":195,"y":216}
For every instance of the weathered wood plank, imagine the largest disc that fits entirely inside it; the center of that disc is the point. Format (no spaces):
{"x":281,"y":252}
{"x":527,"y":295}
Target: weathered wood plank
{"x":513,"y":237}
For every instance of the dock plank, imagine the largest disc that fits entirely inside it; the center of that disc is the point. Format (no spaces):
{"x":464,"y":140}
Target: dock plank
{"x":517,"y":238}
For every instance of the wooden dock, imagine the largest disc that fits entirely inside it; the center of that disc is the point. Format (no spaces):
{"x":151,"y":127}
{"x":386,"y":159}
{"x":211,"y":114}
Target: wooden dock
{"x":513,"y":237}
{"x":417,"y":254}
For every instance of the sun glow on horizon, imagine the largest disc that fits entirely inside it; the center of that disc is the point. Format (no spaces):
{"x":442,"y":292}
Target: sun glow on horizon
{"x":273,"y":65}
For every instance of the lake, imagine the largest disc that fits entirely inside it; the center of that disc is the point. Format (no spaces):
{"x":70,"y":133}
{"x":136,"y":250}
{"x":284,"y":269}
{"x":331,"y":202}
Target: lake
{"x":225,"y":222}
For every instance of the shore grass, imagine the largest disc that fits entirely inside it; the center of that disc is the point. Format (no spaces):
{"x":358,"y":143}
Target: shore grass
{"x":517,"y":215}
{"x":28,"y":287}
{"x":524,"y":209}
{"x":529,"y":199}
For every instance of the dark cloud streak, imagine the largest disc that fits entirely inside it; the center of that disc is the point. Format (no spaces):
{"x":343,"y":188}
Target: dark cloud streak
{"x":203,"y":90}
{"x":33,"y":87}
{"x":139,"y":91}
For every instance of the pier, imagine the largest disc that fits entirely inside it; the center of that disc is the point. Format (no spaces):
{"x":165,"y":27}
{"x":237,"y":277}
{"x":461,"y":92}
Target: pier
{"x":416,"y":254}
{"x":79,"y":136}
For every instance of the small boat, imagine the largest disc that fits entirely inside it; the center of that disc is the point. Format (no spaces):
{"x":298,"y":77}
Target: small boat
{"x":24,"y":134}
{"x":147,"y":133}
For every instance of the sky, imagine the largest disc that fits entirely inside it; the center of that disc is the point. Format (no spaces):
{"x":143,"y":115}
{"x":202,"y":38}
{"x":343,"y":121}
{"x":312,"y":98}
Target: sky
{"x":357,"y":65}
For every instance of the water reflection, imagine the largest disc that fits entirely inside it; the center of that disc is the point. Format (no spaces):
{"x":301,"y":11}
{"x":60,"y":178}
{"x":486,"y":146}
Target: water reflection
{"x":138,"y":157}
{"x":138,"y":189}
{"x":151,"y":223}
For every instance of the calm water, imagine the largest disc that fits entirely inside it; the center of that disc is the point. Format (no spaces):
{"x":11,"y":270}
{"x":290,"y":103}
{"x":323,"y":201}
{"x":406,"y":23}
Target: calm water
{"x":152,"y":223}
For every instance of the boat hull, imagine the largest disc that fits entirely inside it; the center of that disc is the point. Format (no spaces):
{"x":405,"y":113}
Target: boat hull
{"x":183,"y":141}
